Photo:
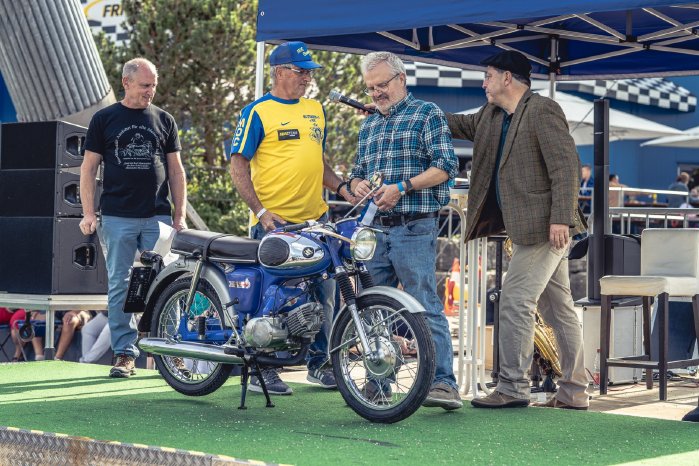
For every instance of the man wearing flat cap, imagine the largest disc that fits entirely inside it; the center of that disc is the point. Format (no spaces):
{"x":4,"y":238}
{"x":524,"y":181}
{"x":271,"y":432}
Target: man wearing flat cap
{"x":525,"y":180}
{"x":278,"y":167}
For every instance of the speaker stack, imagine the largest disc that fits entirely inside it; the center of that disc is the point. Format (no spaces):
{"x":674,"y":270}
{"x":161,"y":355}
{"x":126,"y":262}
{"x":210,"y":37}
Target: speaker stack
{"x":42,"y":250}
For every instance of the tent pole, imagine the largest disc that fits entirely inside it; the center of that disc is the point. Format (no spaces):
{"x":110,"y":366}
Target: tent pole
{"x":552,"y":75}
{"x":552,"y":86}
{"x":260,"y":70}
{"x":600,"y":201}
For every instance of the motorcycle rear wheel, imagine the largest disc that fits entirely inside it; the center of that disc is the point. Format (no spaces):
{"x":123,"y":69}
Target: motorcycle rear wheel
{"x":192,"y":377}
{"x":392,"y":387}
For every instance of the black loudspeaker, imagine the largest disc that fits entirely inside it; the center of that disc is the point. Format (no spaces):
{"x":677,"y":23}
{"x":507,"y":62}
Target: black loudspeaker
{"x":623,"y":254}
{"x":42,"y":193}
{"x":47,"y":255}
{"x":41,"y":145}
{"x":680,"y":331}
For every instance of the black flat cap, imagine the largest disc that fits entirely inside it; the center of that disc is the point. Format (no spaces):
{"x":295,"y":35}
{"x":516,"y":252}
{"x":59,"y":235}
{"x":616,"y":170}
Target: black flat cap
{"x":510,"y":60}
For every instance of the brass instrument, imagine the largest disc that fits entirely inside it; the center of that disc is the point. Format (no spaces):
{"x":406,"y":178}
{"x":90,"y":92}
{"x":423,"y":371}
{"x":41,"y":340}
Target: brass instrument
{"x":545,"y":347}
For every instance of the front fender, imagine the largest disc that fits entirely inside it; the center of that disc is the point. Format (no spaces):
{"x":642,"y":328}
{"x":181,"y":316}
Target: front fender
{"x":183,"y":266}
{"x":406,"y":300}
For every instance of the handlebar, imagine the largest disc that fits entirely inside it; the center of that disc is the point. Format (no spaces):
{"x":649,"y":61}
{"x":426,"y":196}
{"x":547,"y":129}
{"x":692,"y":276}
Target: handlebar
{"x":295,"y":227}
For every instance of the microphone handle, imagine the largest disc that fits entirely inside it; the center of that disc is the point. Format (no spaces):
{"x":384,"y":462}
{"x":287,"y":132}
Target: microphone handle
{"x":357,"y":105}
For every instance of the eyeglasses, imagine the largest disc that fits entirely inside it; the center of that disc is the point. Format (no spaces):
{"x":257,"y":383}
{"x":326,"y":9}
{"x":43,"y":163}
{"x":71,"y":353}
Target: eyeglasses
{"x":380,"y":87}
{"x":308,"y":73}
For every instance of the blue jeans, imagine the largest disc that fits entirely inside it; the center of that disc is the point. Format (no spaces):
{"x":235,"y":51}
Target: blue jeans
{"x":325,"y":293}
{"x":121,"y":238}
{"x":407,"y":255}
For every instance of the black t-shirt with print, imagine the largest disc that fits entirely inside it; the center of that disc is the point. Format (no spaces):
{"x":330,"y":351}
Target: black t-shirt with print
{"x":134,"y":144}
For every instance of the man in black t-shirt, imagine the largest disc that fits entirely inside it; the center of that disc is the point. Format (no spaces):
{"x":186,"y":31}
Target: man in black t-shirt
{"x":140,"y":148}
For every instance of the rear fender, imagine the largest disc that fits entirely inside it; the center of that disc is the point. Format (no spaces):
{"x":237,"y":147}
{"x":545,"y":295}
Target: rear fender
{"x":175,"y":270}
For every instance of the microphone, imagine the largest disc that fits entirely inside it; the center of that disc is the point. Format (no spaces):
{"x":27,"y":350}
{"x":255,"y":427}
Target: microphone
{"x":335,"y":96}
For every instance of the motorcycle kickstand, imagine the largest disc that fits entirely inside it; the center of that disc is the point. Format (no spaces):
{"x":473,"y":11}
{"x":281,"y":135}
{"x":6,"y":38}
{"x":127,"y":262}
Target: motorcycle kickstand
{"x":244,"y":376}
{"x":261,"y":379}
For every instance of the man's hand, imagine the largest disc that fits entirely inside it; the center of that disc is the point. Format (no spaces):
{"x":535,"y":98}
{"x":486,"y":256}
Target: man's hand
{"x":559,"y":235}
{"x":362,"y":112}
{"x":270,"y":220}
{"x":361,"y":189}
{"x":88,"y":224}
{"x":179,"y":223}
{"x":386,"y":197}
{"x":348,"y":197}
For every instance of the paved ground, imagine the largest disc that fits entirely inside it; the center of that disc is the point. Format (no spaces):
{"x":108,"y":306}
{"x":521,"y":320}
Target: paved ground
{"x":626,"y":399}
{"x":636,"y":400}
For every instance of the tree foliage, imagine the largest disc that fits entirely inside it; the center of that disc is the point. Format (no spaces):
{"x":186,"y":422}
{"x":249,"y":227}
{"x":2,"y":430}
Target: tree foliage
{"x":205,"y":54}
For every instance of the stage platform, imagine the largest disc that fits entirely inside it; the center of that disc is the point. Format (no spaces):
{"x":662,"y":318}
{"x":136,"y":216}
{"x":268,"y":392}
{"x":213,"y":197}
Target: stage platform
{"x":78,"y":403}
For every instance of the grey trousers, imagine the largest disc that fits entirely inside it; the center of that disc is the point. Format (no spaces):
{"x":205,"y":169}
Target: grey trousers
{"x":539,"y":274}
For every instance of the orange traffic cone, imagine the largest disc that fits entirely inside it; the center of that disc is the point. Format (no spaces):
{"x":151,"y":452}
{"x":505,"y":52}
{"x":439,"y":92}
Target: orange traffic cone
{"x":451,"y":290}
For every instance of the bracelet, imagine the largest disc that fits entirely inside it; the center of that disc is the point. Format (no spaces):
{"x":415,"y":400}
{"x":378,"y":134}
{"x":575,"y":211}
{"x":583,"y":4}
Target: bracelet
{"x":339,"y":187}
{"x":401,"y":189}
{"x":408,"y":186}
{"x":261,"y":213}
{"x":349,"y":186}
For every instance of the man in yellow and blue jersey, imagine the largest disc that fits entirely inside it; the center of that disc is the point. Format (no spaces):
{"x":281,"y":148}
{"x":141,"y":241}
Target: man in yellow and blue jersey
{"x":278,"y":167}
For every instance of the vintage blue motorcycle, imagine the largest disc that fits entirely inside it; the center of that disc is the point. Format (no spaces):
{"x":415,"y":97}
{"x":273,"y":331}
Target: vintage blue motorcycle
{"x":230,"y":301}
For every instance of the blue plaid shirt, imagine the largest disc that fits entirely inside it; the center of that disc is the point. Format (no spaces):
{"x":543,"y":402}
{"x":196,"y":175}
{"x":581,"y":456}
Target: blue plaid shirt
{"x":413,"y":137}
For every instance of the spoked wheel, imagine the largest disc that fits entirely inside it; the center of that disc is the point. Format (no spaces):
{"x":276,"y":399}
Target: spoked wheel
{"x":390,"y":382}
{"x":192,"y":377}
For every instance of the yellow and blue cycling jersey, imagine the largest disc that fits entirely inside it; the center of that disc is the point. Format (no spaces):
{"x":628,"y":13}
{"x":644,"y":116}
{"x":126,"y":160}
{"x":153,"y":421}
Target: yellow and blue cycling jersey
{"x":284,"y":142}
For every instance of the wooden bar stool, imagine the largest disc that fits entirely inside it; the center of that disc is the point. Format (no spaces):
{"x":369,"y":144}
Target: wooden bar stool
{"x":669,"y":267}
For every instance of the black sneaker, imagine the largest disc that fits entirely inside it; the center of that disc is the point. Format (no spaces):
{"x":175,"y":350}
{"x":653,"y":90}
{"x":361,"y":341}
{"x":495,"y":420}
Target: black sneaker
{"x":275,"y":385}
{"x":323,"y":377}
{"x":124,"y":367}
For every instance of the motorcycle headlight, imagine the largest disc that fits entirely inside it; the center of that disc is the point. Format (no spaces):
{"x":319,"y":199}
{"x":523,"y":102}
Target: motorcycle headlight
{"x":363,"y":244}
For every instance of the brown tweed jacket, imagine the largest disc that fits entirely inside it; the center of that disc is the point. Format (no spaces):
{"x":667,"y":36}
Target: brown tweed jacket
{"x":539,"y":170}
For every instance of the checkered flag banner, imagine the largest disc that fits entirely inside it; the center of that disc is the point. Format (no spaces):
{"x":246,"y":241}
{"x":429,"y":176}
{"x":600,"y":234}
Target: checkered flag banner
{"x":656,"y":92}
{"x":422,"y":74}
{"x":107,"y":16}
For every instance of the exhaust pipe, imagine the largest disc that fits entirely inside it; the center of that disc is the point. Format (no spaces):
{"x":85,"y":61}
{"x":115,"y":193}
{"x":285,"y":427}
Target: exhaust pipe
{"x":186,"y":349}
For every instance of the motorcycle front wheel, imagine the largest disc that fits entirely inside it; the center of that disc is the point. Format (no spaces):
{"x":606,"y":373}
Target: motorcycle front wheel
{"x":192,"y":377}
{"x":391,"y":381}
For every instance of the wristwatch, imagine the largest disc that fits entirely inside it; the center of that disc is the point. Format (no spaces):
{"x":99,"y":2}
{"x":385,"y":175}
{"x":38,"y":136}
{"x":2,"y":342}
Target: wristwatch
{"x":408,"y":186}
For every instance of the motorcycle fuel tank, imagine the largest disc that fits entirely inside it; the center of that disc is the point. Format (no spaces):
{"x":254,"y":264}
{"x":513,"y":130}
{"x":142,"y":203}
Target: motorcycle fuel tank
{"x":288,"y":250}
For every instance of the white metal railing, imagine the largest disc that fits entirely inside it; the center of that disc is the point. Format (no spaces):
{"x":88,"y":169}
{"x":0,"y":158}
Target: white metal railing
{"x":651,"y":193}
{"x":618,"y":194}
{"x":646,"y":217}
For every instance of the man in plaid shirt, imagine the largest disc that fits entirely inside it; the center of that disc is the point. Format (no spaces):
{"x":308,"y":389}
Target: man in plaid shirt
{"x":408,"y":140}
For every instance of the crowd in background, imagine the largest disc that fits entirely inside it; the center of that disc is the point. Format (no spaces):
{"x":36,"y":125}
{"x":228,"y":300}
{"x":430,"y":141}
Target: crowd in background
{"x":28,"y":327}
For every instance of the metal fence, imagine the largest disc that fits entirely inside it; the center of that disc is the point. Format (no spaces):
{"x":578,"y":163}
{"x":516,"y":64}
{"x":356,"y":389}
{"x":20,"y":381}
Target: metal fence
{"x":20,"y":447}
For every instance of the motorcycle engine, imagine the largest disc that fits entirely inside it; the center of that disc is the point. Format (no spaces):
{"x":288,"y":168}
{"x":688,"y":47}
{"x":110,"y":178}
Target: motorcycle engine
{"x":265,"y":332}
{"x":305,"y":321}
{"x":274,"y":332}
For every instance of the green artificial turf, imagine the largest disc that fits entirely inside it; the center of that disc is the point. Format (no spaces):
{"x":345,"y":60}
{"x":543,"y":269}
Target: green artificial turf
{"x":314,"y":426}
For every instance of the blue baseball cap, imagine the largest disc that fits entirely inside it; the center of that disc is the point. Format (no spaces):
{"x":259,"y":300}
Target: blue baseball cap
{"x":295,"y":53}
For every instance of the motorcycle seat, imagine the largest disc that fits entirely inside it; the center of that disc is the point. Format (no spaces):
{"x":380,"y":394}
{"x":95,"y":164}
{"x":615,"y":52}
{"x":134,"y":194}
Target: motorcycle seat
{"x":216,"y":246}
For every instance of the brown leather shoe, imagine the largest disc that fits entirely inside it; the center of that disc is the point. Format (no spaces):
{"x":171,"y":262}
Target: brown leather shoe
{"x":499,"y":400}
{"x":124,"y":368}
{"x":555,"y":403}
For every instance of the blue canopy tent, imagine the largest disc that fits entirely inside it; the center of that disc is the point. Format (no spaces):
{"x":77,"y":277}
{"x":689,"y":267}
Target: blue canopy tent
{"x":591,"y":39}
{"x":564,"y":40}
